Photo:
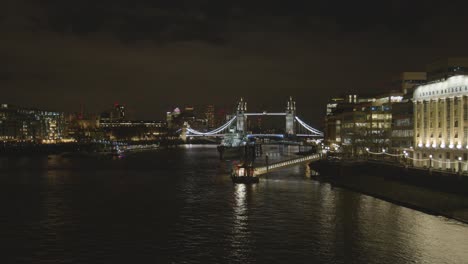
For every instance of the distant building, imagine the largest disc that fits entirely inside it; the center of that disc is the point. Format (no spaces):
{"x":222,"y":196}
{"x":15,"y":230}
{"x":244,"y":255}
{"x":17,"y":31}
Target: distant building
{"x":221,"y":117}
{"x":255,"y":125}
{"x":189,"y":116}
{"x":357,"y":123}
{"x":210,"y":116}
{"x":351,"y":129}
{"x":402,"y":110}
{"x":332,"y":104}
{"x":117,"y":113}
{"x":84,"y":127}
{"x":441,"y":124}
{"x":199,"y":120}
{"x":402,"y":126}
{"x":134,"y":130}
{"x":335,"y":107}
{"x":442,"y":69}
{"x":189,"y":110}
{"x":407,"y":81}
{"x":172,"y":118}
{"x":26,"y":124}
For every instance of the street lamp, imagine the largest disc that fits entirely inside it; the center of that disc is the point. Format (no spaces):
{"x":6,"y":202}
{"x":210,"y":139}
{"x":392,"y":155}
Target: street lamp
{"x":459,"y":165}
{"x":430,"y":161}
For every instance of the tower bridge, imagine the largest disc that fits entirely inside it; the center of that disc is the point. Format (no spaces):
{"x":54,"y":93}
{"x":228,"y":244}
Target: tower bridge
{"x":239,"y":123}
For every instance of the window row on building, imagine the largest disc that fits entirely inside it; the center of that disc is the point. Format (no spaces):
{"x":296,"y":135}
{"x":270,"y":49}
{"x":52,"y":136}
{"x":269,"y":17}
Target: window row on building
{"x":21,"y":124}
{"x":441,"y":124}
{"x":426,"y":117}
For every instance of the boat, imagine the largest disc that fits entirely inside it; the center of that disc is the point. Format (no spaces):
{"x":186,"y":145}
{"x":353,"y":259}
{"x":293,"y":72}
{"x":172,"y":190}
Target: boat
{"x":232,"y":146}
{"x":244,"y":174}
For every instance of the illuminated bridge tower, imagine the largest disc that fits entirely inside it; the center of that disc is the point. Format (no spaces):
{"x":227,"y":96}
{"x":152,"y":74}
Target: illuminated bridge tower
{"x":290,"y":115}
{"x":241,"y":119}
{"x":183,"y":134}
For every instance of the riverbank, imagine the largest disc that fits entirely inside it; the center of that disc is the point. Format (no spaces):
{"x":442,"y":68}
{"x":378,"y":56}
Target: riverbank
{"x":364,"y":178}
{"x":31,"y":148}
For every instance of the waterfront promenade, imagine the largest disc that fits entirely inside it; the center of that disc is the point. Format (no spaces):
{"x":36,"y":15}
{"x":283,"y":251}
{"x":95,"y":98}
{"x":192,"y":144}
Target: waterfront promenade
{"x":434,"y":192}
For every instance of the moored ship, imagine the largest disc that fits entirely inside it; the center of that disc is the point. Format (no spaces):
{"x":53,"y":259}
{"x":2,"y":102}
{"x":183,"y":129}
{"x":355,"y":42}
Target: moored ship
{"x":232,"y":146}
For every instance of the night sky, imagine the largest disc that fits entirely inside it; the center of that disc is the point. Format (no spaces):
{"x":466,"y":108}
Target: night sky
{"x":155,"y":55}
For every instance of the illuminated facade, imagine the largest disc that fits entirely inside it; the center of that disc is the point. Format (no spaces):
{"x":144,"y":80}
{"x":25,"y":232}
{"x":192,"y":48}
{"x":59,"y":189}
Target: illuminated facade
{"x":335,"y":107}
{"x":241,"y":118}
{"x":360,"y":123}
{"x":23,"y":124}
{"x":290,"y":115}
{"x":135,"y":130}
{"x":441,"y":126}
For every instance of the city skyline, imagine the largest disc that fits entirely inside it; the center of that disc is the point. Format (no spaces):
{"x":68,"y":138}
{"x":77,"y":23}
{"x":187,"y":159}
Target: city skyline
{"x":248,"y":131}
{"x":152,"y":54}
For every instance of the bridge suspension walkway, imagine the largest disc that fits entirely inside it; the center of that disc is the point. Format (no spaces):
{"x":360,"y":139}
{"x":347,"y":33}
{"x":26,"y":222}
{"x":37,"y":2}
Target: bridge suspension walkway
{"x":294,"y":125}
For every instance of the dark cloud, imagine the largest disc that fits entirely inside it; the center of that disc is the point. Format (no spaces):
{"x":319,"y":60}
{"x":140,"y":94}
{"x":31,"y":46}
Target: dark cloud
{"x":153,"y":55}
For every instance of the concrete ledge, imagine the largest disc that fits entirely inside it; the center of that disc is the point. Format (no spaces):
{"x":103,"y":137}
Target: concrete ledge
{"x":401,"y":186}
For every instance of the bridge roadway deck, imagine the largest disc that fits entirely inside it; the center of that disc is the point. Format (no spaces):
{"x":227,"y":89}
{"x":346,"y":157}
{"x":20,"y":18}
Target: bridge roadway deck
{"x":286,"y":163}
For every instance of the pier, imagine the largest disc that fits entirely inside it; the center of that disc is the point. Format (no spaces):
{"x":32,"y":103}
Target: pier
{"x":286,"y":163}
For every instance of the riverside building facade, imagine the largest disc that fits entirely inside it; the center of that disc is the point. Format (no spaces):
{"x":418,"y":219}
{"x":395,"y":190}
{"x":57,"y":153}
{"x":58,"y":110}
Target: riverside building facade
{"x":19,"y":124}
{"x":360,"y":123}
{"x":441,"y":126}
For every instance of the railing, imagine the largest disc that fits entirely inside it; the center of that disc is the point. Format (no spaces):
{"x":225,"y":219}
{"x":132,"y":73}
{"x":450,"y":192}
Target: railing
{"x":281,"y":164}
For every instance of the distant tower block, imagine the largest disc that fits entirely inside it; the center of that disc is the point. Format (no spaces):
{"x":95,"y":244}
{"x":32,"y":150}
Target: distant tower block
{"x":290,"y":115}
{"x":241,"y":108}
{"x":183,"y":134}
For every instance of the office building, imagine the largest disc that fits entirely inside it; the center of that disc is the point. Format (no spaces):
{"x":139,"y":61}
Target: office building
{"x":441,"y":126}
{"x":32,"y":125}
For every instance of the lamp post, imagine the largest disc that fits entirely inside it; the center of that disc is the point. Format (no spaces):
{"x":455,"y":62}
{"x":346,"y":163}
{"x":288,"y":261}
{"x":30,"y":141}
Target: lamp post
{"x":430,"y":161}
{"x":459,"y":165}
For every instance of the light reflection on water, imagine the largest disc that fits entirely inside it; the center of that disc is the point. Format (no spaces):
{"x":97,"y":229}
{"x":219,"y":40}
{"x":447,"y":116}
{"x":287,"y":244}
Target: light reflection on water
{"x":241,"y":236}
{"x":179,"y":206}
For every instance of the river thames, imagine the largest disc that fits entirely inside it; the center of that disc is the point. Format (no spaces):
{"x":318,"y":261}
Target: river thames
{"x":180,"y":206}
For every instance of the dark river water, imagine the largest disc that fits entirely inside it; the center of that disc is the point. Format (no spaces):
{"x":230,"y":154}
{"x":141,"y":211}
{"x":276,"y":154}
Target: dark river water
{"x":180,"y":206}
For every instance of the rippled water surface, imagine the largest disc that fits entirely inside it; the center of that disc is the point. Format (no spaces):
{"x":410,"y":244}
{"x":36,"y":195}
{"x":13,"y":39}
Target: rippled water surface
{"x":179,"y":206}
